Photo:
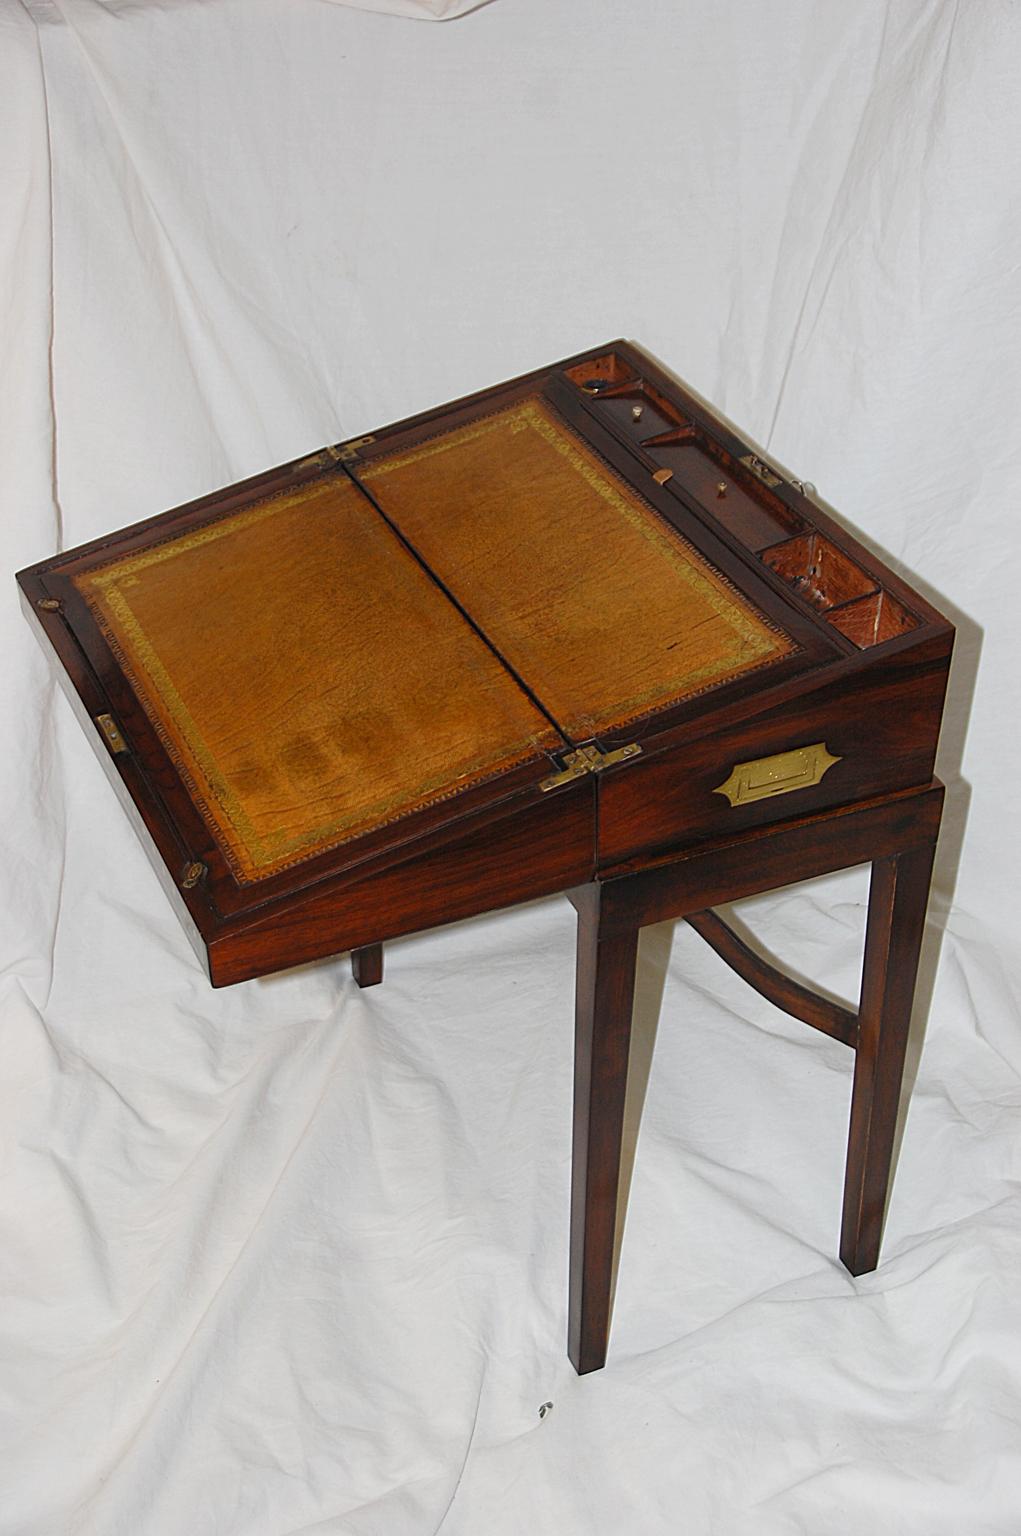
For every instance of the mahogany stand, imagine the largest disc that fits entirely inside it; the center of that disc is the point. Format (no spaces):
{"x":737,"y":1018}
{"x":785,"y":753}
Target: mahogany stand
{"x":897,"y":835}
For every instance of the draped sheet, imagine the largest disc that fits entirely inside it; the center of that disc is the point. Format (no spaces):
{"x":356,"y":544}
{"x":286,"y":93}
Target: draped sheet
{"x":290,"y":1258}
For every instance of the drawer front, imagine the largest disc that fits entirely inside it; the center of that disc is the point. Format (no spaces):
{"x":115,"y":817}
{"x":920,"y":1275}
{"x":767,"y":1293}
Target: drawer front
{"x":843,"y":743}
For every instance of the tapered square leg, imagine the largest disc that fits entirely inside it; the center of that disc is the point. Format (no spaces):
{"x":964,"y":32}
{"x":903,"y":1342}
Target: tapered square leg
{"x":367,"y":965}
{"x":603,"y":1007}
{"x":897,"y":901}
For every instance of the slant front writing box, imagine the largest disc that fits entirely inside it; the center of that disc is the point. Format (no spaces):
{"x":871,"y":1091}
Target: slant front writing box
{"x":564,"y":633}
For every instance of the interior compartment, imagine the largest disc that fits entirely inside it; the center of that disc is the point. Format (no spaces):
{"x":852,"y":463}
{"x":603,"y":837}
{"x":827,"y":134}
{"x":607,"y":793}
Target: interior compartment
{"x":818,"y":571}
{"x":751,"y":514}
{"x":639,"y":410}
{"x":601,"y":373}
{"x":871,"y":620}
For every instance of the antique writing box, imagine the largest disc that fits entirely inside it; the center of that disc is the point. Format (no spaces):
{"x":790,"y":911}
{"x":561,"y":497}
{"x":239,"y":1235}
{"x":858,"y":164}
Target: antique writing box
{"x":548,"y":637}
{"x":483,"y":654}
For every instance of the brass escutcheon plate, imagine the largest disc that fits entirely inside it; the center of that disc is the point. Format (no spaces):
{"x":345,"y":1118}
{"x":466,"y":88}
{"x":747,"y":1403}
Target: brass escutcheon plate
{"x":799,"y":768}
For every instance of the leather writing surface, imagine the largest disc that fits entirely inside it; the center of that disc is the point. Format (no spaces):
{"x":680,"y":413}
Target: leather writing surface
{"x":312,"y":682}
{"x":309,"y":679}
{"x":604,"y":610}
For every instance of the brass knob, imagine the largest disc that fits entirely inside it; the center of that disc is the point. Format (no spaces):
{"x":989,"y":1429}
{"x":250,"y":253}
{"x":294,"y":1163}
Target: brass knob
{"x":721,"y":487}
{"x":636,"y":413}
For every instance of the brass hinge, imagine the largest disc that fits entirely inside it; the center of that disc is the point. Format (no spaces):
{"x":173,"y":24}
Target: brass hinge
{"x":769,"y":476}
{"x":761,"y":469}
{"x":111,"y":733}
{"x":587,"y":760}
{"x":336,"y":453}
{"x":347,"y":451}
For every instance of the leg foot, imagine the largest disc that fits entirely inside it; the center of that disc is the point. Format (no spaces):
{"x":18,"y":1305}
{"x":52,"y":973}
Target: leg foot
{"x":367,"y":965}
{"x":605,"y":996}
{"x":897,"y":901}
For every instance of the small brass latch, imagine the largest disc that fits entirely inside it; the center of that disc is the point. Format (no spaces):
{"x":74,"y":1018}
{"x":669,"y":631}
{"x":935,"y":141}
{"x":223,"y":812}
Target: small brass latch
{"x":587,"y":760}
{"x":111,"y":733}
{"x":777,"y":775}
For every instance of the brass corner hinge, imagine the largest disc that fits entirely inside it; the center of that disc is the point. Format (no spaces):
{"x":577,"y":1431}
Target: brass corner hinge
{"x":587,"y":760}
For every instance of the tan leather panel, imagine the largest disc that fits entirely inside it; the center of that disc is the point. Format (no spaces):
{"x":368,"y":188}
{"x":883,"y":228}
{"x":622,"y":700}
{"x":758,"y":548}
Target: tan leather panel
{"x":309,"y":679}
{"x":600,"y":606}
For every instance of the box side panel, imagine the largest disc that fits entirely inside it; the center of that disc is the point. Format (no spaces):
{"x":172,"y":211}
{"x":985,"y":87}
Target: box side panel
{"x":540,"y":849}
{"x":860,"y":735}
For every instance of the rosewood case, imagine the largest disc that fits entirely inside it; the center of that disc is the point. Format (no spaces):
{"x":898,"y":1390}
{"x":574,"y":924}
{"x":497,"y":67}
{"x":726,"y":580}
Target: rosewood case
{"x":519,"y":643}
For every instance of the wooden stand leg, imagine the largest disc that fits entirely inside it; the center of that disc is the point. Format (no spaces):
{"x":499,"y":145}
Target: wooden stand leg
{"x":604,"y":1001}
{"x":896,"y":920}
{"x":367,"y":965}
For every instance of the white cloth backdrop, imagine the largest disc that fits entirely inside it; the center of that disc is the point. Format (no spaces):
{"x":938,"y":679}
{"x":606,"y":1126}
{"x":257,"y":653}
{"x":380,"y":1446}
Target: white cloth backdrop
{"x":288,"y":1258}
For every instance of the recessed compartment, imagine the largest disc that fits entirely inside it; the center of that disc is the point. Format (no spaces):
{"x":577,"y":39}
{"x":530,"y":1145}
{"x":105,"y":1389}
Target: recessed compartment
{"x":755,"y":517}
{"x":638,"y":410}
{"x":601,"y":373}
{"x":818,"y":571}
{"x":873,"y":619}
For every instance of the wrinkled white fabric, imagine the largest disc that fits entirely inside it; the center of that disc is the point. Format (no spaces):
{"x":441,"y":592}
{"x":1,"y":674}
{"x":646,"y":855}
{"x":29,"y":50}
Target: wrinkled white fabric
{"x":420,"y":10}
{"x":288,"y":1258}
